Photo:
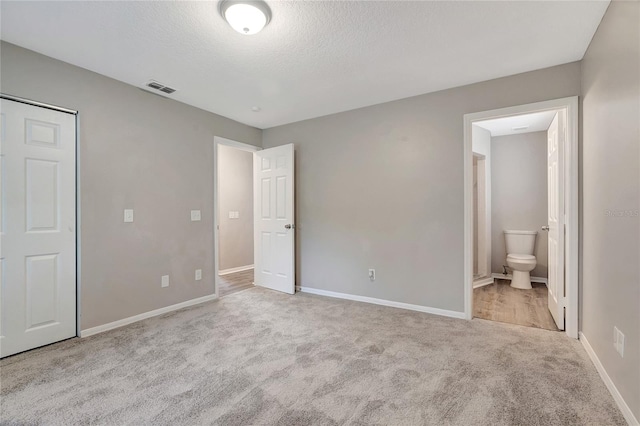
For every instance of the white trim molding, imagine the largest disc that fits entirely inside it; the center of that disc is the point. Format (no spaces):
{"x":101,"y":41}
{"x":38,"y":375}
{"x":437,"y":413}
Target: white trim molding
{"x":126,"y":321}
{"x":234,"y":270}
{"x":617,"y":397}
{"x":383,"y":302}
{"x":570,"y":105}
{"x":510,"y":277}
{"x":481,"y":282}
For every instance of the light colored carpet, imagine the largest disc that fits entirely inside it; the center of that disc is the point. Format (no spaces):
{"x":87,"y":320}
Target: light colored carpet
{"x":259,"y":357}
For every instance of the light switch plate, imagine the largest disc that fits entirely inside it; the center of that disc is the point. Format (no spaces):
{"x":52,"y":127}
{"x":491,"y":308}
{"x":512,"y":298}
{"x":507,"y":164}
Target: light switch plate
{"x":231,"y":214}
{"x":237,"y":215}
{"x":128,"y":215}
{"x":195,"y":215}
{"x":164,"y":282}
{"x":198,"y":274}
{"x":621,"y":343}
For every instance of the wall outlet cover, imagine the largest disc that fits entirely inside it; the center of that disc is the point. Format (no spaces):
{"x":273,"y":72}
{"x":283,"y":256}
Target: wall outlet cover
{"x":164,"y":282}
{"x":195,"y":215}
{"x":198,"y":274}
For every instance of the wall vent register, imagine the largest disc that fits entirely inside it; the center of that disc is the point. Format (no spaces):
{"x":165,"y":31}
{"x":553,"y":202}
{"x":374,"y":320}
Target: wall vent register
{"x":160,"y":87}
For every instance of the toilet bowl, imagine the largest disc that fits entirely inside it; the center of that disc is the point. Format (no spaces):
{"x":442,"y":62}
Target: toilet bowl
{"x":520,"y":247}
{"x":521,"y":265}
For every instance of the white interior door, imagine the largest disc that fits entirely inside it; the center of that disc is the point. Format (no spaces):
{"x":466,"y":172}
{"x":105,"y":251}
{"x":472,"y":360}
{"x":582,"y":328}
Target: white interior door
{"x":555,"y":180}
{"x":274,"y":239}
{"x":38,"y":248}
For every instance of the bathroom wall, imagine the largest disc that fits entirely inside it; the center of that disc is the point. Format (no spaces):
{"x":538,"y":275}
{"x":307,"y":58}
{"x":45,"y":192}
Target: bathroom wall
{"x":519,"y":193}
{"x":235,"y":191}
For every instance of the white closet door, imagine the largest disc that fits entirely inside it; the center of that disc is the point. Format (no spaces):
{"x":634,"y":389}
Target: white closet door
{"x":38,"y":247}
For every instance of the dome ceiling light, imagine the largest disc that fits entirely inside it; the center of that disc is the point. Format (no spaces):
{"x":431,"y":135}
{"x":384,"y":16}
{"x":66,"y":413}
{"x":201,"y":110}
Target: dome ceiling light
{"x":246,"y":17}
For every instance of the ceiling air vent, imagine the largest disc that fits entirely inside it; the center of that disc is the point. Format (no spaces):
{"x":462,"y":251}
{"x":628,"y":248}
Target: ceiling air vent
{"x":160,"y":87}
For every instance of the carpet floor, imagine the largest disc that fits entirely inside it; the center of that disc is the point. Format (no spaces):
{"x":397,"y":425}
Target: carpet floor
{"x":260,"y":357}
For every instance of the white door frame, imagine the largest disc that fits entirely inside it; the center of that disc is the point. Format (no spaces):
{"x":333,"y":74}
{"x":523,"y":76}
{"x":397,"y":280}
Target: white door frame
{"x":570,"y":105}
{"x":217,"y":141}
{"x":484,"y":222}
{"x":77,"y":189}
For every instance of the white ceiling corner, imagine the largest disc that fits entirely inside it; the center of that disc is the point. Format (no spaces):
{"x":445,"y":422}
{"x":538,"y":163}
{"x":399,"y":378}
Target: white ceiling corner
{"x":314,"y":58}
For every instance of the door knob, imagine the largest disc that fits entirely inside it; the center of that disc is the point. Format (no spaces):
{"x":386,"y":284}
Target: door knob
{"x":545,"y":228}
{"x":289,"y":226}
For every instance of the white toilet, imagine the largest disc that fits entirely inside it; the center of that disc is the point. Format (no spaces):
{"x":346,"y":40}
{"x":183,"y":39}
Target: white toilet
{"x":520,"y":258}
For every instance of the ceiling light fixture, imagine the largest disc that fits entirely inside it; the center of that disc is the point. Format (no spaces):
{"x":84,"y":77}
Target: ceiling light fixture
{"x":245,"y":16}
{"x":519,"y":128}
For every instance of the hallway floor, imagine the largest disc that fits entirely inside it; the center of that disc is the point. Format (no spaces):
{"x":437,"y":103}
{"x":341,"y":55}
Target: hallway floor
{"x":233,"y":283}
{"x":500,"y":302}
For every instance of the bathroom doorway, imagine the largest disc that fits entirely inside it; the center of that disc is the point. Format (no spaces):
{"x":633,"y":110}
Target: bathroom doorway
{"x":521,"y":190}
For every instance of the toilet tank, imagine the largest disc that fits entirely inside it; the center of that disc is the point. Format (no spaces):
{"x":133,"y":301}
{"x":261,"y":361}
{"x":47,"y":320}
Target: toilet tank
{"x":520,"y":242}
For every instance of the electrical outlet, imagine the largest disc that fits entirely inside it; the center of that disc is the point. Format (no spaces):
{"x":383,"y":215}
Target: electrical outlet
{"x":128,"y":215}
{"x":198,"y":274}
{"x":164,"y":282}
{"x":195,"y":215}
{"x":372,"y":274}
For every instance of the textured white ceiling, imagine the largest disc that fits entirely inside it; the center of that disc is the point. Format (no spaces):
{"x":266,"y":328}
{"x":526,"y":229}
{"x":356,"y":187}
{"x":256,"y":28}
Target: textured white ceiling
{"x":314,"y":58}
{"x":535,"y":122}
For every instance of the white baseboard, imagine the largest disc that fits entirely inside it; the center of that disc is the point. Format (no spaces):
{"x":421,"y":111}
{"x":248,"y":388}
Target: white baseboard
{"x":383,"y":302}
{"x":626,"y":411}
{"x":126,"y":321}
{"x":510,"y":277}
{"x":233,"y":270}
{"x":481,"y":282}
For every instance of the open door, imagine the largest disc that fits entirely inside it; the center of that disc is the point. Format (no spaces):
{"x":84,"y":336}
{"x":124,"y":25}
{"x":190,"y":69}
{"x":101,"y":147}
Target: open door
{"x":555,"y":225}
{"x":274,"y":239}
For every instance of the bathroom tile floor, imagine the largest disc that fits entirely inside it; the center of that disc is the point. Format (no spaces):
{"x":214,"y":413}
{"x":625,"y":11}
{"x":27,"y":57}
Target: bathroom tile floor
{"x":500,"y":302}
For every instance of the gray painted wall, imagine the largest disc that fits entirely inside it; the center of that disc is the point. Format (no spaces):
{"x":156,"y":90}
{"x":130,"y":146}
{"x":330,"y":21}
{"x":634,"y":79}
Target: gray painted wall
{"x":611,"y":182}
{"x":382,"y":187}
{"x":519,"y":194}
{"x":235,"y":192}
{"x":140,"y":151}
